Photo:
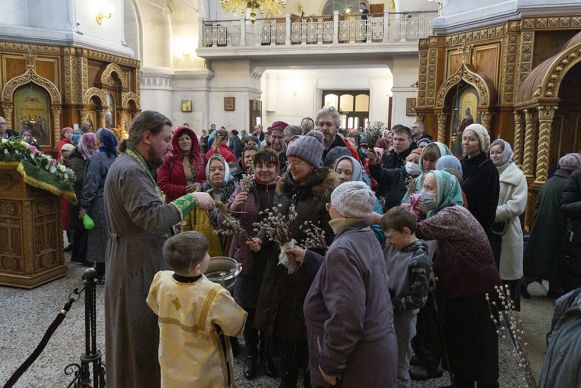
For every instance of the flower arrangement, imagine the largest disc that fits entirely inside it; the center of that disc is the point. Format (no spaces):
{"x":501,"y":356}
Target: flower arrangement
{"x":17,"y":150}
{"x":508,"y":323}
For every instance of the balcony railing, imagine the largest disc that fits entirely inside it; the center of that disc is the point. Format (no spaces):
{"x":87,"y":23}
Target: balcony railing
{"x":336,"y":29}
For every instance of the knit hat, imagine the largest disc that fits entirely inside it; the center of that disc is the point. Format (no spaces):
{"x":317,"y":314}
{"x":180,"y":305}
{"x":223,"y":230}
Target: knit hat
{"x":309,"y":148}
{"x":278,"y":126}
{"x":353,"y":199}
{"x":482,"y":134}
{"x":570,"y":162}
{"x":67,"y":150}
{"x":334,"y":154}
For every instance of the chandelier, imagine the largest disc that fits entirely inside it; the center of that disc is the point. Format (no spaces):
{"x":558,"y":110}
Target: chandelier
{"x":266,"y":8}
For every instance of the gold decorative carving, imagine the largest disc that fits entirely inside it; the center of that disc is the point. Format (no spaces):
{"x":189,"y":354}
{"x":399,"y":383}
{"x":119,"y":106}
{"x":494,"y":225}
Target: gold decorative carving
{"x":130,"y":96}
{"x":107,"y":79}
{"x":561,"y":65}
{"x":420,"y":117}
{"x":546,"y":115}
{"x":7,"y":181}
{"x":467,"y":73}
{"x":7,"y":114}
{"x":29,"y":48}
{"x":423,"y":78}
{"x":470,"y":36}
{"x":69,"y":70}
{"x":509,"y":67}
{"x":529,"y":148}
{"x":106,"y":57}
{"x":431,"y":75}
{"x":441,"y":117}
{"x":551,"y":23}
{"x":101,"y":94}
{"x":486,"y":120}
{"x":518,"y":134}
{"x":31,"y":76}
{"x":526,"y":55}
{"x":56,"y":122}
{"x":83,"y":77}
{"x":8,"y":209}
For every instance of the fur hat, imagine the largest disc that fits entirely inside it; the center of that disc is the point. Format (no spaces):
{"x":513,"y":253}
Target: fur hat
{"x":570,"y":162}
{"x":353,"y":199}
{"x":482,"y":134}
{"x":278,"y":126}
{"x":309,"y":148}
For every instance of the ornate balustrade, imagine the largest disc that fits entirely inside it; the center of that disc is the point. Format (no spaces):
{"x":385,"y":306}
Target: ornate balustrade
{"x":320,"y":30}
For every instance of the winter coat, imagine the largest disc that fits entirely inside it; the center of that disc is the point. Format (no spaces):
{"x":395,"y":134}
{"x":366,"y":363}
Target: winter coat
{"x":512,"y":201}
{"x":280,"y":303}
{"x":139,"y":223}
{"x":481,"y":186}
{"x":562,"y":366}
{"x":349,"y":315}
{"x":170,"y":176}
{"x":392,"y":182}
{"x":571,"y":207}
{"x":78,"y":165}
{"x":236,"y":146}
{"x":547,"y":239}
{"x":253,"y":263}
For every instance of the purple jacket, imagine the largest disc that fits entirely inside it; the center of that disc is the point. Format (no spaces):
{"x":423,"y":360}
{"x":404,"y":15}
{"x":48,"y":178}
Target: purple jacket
{"x":349,"y":316}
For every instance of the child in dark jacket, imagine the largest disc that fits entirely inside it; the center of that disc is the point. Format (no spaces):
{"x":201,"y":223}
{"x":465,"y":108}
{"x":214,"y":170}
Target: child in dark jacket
{"x":409,"y":268}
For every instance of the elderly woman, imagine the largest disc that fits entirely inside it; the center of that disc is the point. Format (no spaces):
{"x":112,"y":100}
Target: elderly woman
{"x":464,"y":263}
{"x":507,"y":235}
{"x":247,"y":206}
{"x":78,"y":160}
{"x":307,"y":186}
{"x":182,"y":171}
{"x":349,"y":169}
{"x":348,"y":310}
{"x":92,"y":201}
{"x":481,"y":184}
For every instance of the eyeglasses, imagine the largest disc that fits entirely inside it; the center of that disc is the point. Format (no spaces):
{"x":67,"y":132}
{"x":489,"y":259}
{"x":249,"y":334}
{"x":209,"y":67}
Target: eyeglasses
{"x":296,"y":163}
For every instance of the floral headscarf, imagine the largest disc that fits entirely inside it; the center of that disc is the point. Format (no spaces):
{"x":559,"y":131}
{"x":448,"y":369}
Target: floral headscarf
{"x":448,"y":191}
{"x":87,"y":145}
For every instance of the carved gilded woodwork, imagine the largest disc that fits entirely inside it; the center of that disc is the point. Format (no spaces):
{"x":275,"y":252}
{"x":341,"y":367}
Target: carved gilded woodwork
{"x":31,"y":76}
{"x":441,"y":117}
{"x":529,"y":146}
{"x":561,"y":65}
{"x":130,"y":96}
{"x":486,"y":120}
{"x":518,"y":134}
{"x":107,"y":76}
{"x":486,"y":90}
{"x":99,"y":93}
{"x":546,"y":116}
{"x":509,"y":67}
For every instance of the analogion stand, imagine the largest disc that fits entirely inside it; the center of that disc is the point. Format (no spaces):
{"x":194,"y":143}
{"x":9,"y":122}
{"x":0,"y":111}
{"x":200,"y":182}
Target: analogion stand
{"x":31,"y":238}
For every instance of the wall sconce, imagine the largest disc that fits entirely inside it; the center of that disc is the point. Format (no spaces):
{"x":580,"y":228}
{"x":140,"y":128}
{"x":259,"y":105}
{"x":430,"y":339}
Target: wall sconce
{"x":101,"y":15}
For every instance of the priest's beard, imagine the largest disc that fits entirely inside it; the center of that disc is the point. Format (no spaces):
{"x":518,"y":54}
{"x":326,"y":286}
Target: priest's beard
{"x":154,"y":159}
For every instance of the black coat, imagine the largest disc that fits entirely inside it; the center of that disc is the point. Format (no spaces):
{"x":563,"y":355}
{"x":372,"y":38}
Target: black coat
{"x":571,"y":207}
{"x":481,"y":187}
{"x":391,"y":182}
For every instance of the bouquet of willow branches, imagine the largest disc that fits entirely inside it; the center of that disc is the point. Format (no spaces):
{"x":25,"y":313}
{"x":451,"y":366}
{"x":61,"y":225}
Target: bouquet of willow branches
{"x":229,"y":225}
{"x":374,"y":133}
{"x":246,"y":182}
{"x":508,"y":323}
{"x":276,"y":226}
{"x":315,"y":235}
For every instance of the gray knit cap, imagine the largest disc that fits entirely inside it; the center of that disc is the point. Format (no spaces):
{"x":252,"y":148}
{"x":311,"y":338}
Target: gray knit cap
{"x":482,"y":134}
{"x":570,"y":162}
{"x":353,"y":199}
{"x":309,"y":148}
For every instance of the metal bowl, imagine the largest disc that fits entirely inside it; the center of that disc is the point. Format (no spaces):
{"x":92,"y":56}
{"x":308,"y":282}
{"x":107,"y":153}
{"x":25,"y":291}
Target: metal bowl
{"x":223,"y":270}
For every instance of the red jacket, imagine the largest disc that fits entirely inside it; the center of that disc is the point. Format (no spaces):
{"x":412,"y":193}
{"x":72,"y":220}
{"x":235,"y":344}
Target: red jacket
{"x":170,"y":176}
{"x":226,"y":153}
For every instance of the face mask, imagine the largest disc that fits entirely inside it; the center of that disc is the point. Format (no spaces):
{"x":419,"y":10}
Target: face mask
{"x":428,"y":199}
{"x":412,"y":168}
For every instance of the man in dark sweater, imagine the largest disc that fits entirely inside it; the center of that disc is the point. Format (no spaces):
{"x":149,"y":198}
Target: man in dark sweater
{"x":328,"y":122}
{"x":418,"y":132}
{"x":391,"y":174}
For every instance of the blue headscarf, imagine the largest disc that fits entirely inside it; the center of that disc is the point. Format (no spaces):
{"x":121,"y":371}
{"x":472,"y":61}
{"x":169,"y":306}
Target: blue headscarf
{"x":357,"y":170}
{"x":449,"y":161}
{"x":108,"y":141}
{"x":448,"y":191}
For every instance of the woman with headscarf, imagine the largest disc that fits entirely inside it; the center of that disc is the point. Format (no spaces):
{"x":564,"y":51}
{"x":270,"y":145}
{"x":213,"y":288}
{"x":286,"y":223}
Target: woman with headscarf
{"x":86,"y":148}
{"x":307,"y":186}
{"x":507,"y":235}
{"x":66,"y":138}
{"x":481,"y":183}
{"x":349,"y":169}
{"x":348,"y":311}
{"x":464,"y":264}
{"x":220,"y":186}
{"x":182,"y":170}
{"x":247,"y":206}
{"x":92,"y":201}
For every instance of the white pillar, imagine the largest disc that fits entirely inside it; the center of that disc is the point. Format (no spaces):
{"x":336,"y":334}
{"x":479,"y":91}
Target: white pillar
{"x":335,"y":27}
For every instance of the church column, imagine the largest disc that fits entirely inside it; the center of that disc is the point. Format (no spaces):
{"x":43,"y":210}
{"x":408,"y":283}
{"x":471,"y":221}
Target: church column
{"x":56,"y":123}
{"x":441,"y":116}
{"x":518,"y":132}
{"x":546,"y":115}
{"x":420,"y":116}
{"x":486,"y":120}
{"x":103,"y":118}
{"x":529,"y":148}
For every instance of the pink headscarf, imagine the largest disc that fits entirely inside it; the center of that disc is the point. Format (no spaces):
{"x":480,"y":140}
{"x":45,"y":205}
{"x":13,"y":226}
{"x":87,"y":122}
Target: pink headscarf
{"x":87,"y":145}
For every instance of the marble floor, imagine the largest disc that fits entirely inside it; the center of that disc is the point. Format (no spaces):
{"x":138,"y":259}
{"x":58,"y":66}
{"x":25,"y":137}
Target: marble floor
{"x":26,"y":314}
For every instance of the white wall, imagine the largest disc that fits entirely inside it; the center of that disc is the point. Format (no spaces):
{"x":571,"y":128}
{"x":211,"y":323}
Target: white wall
{"x":290,"y":95}
{"x":405,"y":74}
{"x":110,"y":30}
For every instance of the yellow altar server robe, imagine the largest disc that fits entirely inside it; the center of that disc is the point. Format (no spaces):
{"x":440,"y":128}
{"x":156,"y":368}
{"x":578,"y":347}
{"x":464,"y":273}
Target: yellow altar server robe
{"x":193,"y":319}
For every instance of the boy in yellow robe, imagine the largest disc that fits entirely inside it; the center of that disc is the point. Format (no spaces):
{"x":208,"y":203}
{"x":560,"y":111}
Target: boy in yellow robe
{"x":194,"y":316}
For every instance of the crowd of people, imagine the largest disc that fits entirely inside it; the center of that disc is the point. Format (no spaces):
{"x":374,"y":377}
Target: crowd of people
{"x":392,"y":251}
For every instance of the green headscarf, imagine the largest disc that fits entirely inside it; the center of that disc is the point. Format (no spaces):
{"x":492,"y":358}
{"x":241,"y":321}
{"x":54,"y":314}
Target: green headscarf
{"x":448,"y":191}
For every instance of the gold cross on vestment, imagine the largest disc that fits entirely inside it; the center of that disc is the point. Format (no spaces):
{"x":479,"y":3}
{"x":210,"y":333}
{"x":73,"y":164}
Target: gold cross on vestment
{"x":176,"y":302}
